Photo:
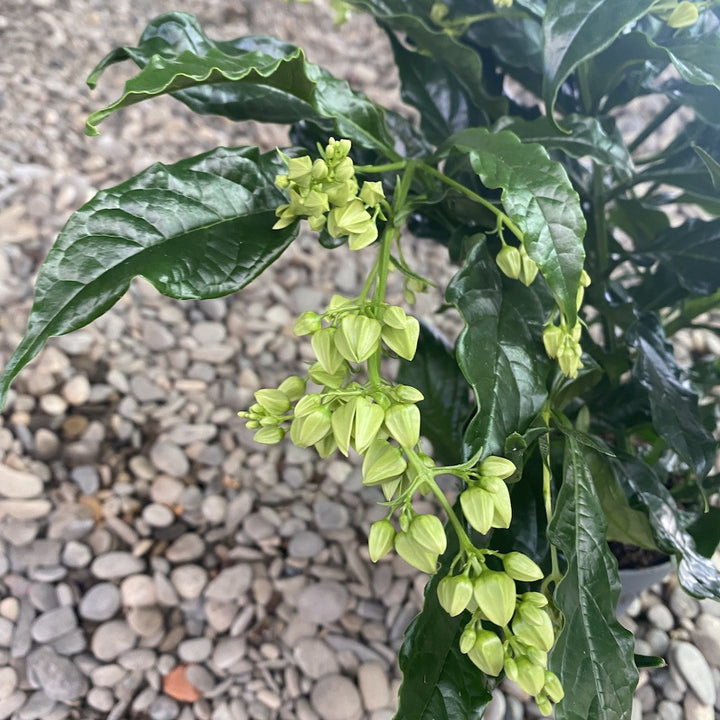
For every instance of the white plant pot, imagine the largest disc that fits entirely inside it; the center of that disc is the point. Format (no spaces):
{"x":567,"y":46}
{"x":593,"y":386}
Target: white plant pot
{"x":636,"y":581}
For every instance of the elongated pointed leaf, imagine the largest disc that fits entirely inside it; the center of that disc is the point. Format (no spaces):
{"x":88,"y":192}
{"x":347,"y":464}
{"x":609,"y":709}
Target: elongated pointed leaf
{"x":500,"y":350}
{"x":646,"y":491}
{"x":447,"y":405}
{"x":253,"y":77}
{"x":576,"y":30}
{"x":538,"y":197}
{"x":674,"y":407}
{"x":439,"y":682}
{"x":696,"y":59}
{"x":199,"y":228}
{"x":586,"y":137}
{"x":593,"y":656}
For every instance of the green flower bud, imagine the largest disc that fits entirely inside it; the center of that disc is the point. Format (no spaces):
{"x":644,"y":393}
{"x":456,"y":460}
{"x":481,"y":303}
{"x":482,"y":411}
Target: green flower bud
{"x":408,"y":394}
{"x":323,"y":343}
{"x":468,"y":638}
{"x":389,"y":487}
{"x":684,"y":15}
{"x":454,"y":594}
{"x":340,"y":194}
{"x":529,"y":677}
{"x":534,"y":598}
{"x":314,"y":203}
{"x":552,"y":687}
{"x":382,"y":462}
{"x":502,"y":507}
{"x":326,"y":447}
{"x":552,"y":340}
{"x":488,"y":653}
{"x":403,"y":342}
{"x":509,"y":261}
{"x":343,"y":418}
{"x":300,"y":171}
{"x":395,"y":317}
{"x":415,"y":554}
{"x":369,"y":418}
{"x":319,"y":169}
{"x":358,"y":241}
{"x":521,"y":567}
{"x":311,"y":428}
{"x":539,"y":636}
{"x":569,"y":358}
{"x":344,"y":170}
{"x":543,"y":704}
{"x":357,"y":337}
{"x":478,"y":508}
{"x":285,"y":217}
{"x":317,"y":222}
{"x":293,"y":387}
{"x":380,"y":539}
{"x":537,"y":656}
{"x":372,"y":192}
{"x":528,"y":268}
{"x":403,"y":424}
{"x":499,"y":467}
{"x":307,"y":404}
{"x":495,"y":595}
{"x":269,"y":435}
{"x":337,"y":149}
{"x":428,"y":531}
{"x":438,"y":12}
{"x":350,"y":219}
{"x":282,"y":181}
{"x":332,"y":380}
{"x":275,"y":402}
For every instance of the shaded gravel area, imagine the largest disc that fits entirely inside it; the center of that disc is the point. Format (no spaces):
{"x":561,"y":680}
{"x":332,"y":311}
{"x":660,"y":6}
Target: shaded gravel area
{"x":155,"y":562}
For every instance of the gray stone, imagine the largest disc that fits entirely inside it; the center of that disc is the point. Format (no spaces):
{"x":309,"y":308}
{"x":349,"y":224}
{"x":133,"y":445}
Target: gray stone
{"x":696,"y":710}
{"x":8,"y":682}
{"x":668,"y":710}
{"x":374,"y":688}
{"x":658,"y":641}
{"x":706,"y":637}
{"x":229,"y":584}
{"x":137,"y":590}
{"x":11,"y":703}
{"x":52,"y":624}
{"x":330,"y":515}
{"x":694,"y":669}
{"x":335,"y":697}
{"x":76,"y":554}
{"x":683,"y":605}
{"x":157,"y":515}
{"x":227,"y":652}
{"x":100,"y":602}
{"x":70,"y":643}
{"x":19,"y":532}
{"x":57,"y":676}
{"x":661,"y":617}
{"x":86,"y":478}
{"x":185,"y":434}
{"x":214,"y":508}
{"x":189,"y":580}
{"x":200,"y":678}
{"x":163,"y":708}
{"x":315,"y":658}
{"x":116,"y":564}
{"x":100,"y":699}
{"x":156,"y":336}
{"x":18,"y":484}
{"x":38,"y":705}
{"x":496,"y":709}
{"x":169,"y":458}
{"x":186,"y":548}
{"x":41,"y":553}
{"x":24,"y":509}
{"x":195,"y":650}
{"x":323,"y":602}
{"x":305,"y":544}
{"x":145,"y":621}
{"x":76,"y":390}
{"x":111,"y":639}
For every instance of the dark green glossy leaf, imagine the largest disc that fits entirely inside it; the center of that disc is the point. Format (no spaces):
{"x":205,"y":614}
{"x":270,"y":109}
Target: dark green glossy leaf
{"x":692,"y":252}
{"x":538,"y":196}
{"x":673,"y":406}
{"x":429,"y":86}
{"x":593,"y":656}
{"x":704,"y":99}
{"x":255,"y":77}
{"x":706,"y":532}
{"x":649,"y":661}
{"x":447,"y":405}
{"x":500,"y":350}
{"x":697,"y":59}
{"x":439,"y":682}
{"x":583,"y":137}
{"x":576,"y":30}
{"x":645,"y":489}
{"x":641,"y":222}
{"x":712,"y":165}
{"x":412,"y":19}
{"x":197,"y":229}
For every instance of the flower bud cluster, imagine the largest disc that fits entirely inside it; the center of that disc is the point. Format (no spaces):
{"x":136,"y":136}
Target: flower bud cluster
{"x":326,"y":192}
{"x":563,"y":342}
{"x":516,"y":264}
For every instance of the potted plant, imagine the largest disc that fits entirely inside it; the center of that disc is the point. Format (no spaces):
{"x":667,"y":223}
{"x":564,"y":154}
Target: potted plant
{"x":583,"y":252}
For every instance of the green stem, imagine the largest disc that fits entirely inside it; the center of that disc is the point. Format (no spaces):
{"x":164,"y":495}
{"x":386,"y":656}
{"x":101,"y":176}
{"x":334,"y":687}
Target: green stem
{"x":514,"y":229}
{"x":387,"y":167}
{"x":652,"y":126}
{"x":555,"y":573}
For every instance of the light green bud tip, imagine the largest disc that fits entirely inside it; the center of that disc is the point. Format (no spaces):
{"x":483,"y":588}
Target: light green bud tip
{"x":372,"y":193}
{"x":498,"y":467}
{"x":382,"y":462}
{"x":478,"y":508}
{"x":487,"y":653}
{"x":521,"y":567}
{"x":275,"y":402}
{"x":329,"y":357}
{"x":269,"y":435}
{"x":528,"y":676}
{"x":502,"y":507}
{"x":358,"y":337}
{"x":307,"y":324}
{"x":684,"y":15}
{"x":294,"y":387}
{"x":369,"y":418}
{"x":454,"y":595}
{"x":403,"y":424}
{"x":509,"y":261}
{"x":428,"y":531}
{"x":553,"y":689}
{"x":467,"y":639}
{"x":495,"y":594}
{"x":415,"y":554}
{"x":380,"y":539}
{"x":311,"y":428}
{"x":539,"y":636}
{"x":528,"y":269}
{"x":402,"y":341}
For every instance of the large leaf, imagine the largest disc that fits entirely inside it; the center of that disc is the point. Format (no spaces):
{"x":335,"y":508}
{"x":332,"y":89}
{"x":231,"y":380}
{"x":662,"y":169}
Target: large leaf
{"x":576,"y":30}
{"x":447,"y":405}
{"x":254,"y":77}
{"x":646,"y":491}
{"x":439,"y":682}
{"x":594,"y":654}
{"x":697,"y":59}
{"x":436,"y":92}
{"x":199,"y":228}
{"x":692,"y":252}
{"x":412,"y":19}
{"x":674,"y":407}
{"x":586,"y":138}
{"x":500,"y":350}
{"x":538,"y":196}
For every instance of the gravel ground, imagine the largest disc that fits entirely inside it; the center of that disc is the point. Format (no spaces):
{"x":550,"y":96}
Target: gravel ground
{"x":154,"y":562}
